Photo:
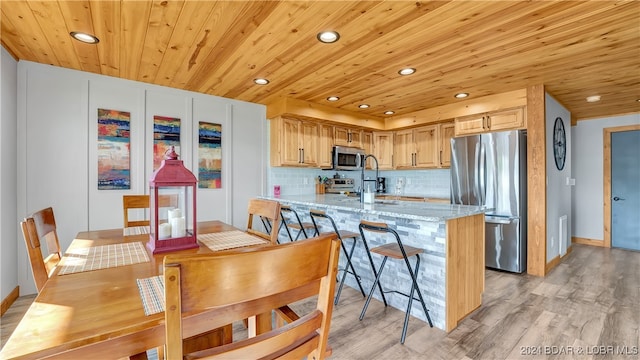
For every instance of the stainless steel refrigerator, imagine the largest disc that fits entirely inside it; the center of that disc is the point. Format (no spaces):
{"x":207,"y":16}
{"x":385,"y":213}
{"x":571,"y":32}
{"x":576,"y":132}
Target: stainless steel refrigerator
{"x":491,"y":170}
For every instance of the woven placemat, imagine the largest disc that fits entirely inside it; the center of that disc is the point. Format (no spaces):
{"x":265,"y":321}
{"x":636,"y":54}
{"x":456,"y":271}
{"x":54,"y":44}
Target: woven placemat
{"x":103,"y":257}
{"x":152,"y":294}
{"x":229,"y":240}
{"x":135,"y":230}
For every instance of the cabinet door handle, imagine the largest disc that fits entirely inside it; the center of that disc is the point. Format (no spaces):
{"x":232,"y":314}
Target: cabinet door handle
{"x":299,"y":155}
{"x":483,"y":122}
{"x":440,"y":157}
{"x":302,"y":155}
{"x":488,"y":122}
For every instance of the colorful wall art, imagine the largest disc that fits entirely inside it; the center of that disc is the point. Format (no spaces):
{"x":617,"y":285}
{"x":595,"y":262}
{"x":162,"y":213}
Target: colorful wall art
{"x":166,"y":133}
{"x":209,"y":156}
{"x":113,"y":150}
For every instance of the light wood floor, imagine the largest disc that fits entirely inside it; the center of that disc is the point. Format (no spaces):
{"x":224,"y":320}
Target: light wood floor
{"x":589,"y":303}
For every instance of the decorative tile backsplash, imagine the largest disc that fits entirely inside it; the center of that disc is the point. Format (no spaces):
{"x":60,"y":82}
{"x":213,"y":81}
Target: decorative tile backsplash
{"x":299,"y":181}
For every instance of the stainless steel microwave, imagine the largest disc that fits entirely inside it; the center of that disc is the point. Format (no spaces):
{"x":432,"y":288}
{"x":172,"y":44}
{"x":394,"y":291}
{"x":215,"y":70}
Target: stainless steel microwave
{"x":347,"y":158}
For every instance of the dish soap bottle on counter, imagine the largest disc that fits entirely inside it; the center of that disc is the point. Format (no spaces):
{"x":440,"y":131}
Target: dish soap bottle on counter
{"x":368,"y":195}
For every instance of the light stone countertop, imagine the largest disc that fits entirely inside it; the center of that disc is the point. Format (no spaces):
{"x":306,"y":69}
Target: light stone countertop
{"x":425,"y":211}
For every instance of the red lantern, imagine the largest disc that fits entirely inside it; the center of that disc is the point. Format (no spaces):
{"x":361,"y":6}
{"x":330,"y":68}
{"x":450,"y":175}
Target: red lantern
{"x":172,"y":196}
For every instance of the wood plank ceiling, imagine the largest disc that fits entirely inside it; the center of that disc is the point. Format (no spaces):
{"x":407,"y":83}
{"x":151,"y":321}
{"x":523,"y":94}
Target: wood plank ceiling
{"x":575,"y":48}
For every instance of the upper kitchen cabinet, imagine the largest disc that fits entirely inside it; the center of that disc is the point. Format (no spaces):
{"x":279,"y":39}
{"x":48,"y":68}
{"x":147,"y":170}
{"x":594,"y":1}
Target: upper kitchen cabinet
{"x":403,"y":148}
{"x":416,"y":148}
{"x":509,"y":119}
{"x":347,"y":137}
{"x":383,"y":149}
{"x":294,"y":142}
{"x":446,"y":131}
{"x":325,"y":145}
{"x":367,"y":145}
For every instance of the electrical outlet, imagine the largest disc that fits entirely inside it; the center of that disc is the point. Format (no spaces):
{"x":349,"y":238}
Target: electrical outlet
{"x":408,"y":181}
{"x":305,"y":181}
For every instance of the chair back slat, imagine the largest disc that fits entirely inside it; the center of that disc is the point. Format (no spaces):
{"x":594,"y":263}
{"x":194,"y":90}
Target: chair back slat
{"x":299,"y":336}
{"x":240,"y":283}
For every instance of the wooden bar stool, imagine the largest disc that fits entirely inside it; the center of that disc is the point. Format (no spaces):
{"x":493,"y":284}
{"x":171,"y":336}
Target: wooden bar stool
{"x":317,"y":215}
{"x":399,"y":252}
{"x":288,"y":223}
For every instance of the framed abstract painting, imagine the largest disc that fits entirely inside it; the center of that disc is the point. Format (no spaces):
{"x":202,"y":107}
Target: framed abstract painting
{"x":166,"y":133}
{"x":209,"y":155}
{"x":114,"y":168}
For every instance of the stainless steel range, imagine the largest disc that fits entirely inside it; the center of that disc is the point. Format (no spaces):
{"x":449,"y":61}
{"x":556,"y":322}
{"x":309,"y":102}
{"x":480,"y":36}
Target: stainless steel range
{"x":336,"y":186}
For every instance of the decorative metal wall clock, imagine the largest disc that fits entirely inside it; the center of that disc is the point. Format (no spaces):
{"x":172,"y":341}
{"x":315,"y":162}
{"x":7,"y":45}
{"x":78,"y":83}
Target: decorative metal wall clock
{"x":559,"y":143}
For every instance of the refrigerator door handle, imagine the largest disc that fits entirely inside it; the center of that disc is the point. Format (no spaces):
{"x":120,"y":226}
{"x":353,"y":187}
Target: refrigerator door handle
{"x":494,"y":220}
{"x":476,"y":180}
{"x":483,"y":175}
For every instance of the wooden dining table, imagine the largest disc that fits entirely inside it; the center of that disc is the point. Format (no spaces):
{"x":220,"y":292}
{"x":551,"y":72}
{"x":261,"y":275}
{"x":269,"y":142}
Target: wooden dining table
{"x":99,"y":314}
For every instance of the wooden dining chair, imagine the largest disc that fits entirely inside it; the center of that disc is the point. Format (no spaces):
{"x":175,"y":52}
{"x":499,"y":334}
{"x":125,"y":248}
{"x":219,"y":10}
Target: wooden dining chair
{"x":38,"y":228}
{"x":134,"y":202}
{"x":142,"y":202}
{"x":269,"y":211}
{"x":236,"y":284}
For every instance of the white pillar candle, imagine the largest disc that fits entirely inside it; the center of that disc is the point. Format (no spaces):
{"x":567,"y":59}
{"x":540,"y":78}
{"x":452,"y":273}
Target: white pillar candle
{"x":177,"y":227}
{"x":164,"y":230}
{"x":175,"y":213}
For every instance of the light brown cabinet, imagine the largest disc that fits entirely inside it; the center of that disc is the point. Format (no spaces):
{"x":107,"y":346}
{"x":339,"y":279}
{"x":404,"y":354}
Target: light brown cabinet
{"x":294,"y":142}
{"x":367,"y":145}
{"x":446,"y":132}
{"x":325,"y":145}
{"x":416,"y":148}
{"x":509,"y":119}
{"x":347,"y":137}
{"x":383,"y":149}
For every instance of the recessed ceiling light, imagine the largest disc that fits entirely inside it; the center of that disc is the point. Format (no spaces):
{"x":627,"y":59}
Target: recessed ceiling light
{"x":594,"y":98}
{"x":389,"y":112}
{"x":363,"y":106}
{"x":406,"y":71}
{"x":328,"y":37}
{"x":461,"y":95}
{"x":261,"y":81}
{"x":84,"y":37}
{"x":333,"y":98}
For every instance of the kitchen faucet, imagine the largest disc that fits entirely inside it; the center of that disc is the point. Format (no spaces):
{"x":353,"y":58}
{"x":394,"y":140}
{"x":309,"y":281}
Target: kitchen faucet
{"x":362,"y":180}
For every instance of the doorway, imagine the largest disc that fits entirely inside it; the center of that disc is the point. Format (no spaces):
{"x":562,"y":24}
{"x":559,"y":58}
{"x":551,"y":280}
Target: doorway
{"x":621,"y":190}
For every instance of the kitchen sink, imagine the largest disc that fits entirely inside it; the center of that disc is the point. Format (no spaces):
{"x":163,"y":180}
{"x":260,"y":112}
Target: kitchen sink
{"x":386,"y":202}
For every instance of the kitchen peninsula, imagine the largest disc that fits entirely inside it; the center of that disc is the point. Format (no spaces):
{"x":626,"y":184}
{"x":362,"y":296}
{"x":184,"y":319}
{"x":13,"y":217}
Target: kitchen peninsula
{"x":451,"y":274}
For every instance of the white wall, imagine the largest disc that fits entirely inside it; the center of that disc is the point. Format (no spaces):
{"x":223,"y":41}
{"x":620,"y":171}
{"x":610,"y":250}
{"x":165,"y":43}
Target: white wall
{"x":57,"y":148}
{"x":588,"y":170}
{"x":9,"y":235}
{"x":558,"y":192}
